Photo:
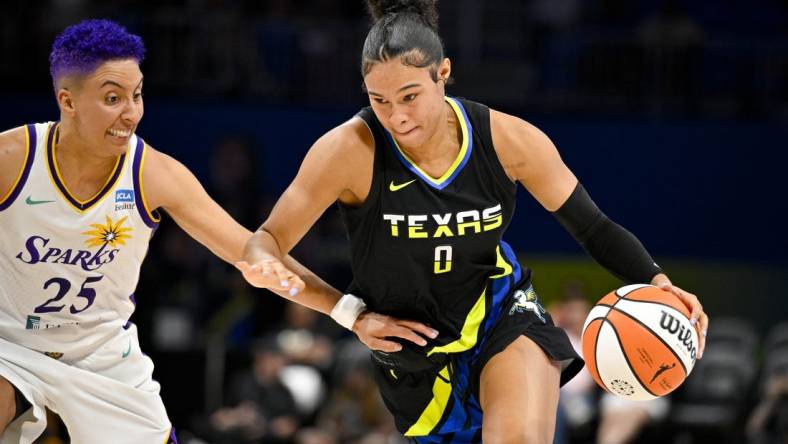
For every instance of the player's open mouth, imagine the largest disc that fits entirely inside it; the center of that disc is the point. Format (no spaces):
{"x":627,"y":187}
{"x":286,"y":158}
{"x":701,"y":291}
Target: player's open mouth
{"x":118,"y":133}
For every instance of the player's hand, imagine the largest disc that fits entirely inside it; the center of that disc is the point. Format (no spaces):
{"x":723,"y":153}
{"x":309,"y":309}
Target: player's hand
{"x":698,"y":318}
{"x":272,"y":274}
{"x":373,"y":329}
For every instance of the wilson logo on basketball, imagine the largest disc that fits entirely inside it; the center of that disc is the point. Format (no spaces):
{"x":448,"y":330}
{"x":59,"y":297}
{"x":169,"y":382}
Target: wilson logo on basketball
{"x":684,"y":334}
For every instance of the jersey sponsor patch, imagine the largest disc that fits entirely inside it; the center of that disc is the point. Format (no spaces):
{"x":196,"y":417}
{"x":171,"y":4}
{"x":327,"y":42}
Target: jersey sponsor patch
{"x":124,"y":195}
{"x":33,"y":322}
{"x":124,"y":200}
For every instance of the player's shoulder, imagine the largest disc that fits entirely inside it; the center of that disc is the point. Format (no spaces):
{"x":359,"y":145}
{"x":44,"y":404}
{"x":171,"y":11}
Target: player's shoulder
{"x":352,"y":135}
{"x":508,"y":129}
{"x":500,"y":120}
{"x":345,"y":144}
{"x":13,"y":143}
{"x":162,"y":175}
{"x":13,"y":151}
{"x":157,"y":161}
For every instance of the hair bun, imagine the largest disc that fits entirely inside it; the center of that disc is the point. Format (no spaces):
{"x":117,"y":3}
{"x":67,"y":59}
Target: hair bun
{"x":426,"y":9}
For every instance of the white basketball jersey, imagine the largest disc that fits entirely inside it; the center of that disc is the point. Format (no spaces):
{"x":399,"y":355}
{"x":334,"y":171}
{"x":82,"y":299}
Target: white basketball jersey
{"x":68,"y":268}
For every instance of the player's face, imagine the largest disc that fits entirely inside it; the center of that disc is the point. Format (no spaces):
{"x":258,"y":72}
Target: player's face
{"x":107,"y":106}
{"x":406,"y":100}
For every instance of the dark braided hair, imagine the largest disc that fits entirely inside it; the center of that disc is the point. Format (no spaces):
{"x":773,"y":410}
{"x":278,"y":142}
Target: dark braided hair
{"x":407,"y":29}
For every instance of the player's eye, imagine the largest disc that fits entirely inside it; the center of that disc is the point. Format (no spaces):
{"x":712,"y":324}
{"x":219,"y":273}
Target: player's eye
{"x":409,"y":97}
{"x":111,"y":99}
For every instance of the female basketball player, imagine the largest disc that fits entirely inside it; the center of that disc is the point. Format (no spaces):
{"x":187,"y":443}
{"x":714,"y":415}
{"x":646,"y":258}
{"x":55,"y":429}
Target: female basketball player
{"x":426,"y":186}
{"x":78,"y":204}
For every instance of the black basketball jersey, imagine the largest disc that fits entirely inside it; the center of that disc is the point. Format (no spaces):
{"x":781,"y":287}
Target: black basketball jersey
{"x":424,"y":248}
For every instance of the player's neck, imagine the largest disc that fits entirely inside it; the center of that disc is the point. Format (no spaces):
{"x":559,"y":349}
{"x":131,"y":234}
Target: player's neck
{"x":77,"y":161}
{"x":443,"y":145}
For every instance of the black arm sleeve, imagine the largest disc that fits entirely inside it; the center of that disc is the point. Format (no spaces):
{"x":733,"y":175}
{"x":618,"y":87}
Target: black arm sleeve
{"x":615,"y":248}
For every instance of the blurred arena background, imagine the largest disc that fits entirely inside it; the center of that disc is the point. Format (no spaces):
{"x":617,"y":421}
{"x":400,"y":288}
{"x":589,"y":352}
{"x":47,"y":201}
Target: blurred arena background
{"x":673,"y":114}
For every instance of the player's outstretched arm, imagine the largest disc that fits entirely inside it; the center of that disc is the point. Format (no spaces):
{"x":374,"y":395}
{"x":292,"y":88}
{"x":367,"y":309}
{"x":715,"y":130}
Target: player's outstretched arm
{"x":337,"y":167}
{"x":530,"y":157}
{"x":169,"y":185}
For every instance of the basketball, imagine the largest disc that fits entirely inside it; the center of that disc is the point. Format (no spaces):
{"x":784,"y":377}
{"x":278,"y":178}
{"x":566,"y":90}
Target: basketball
{"x":638,"y":342}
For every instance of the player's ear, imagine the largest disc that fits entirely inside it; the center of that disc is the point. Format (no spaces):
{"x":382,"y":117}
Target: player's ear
{"x":444,"y":70}
{"x":65,"y":100}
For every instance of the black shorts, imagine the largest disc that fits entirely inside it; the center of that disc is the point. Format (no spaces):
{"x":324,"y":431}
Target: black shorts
{"x":437,"y":399}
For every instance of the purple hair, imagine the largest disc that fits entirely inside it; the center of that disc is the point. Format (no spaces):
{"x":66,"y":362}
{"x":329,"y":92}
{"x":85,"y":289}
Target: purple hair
{"x":81,"y":48}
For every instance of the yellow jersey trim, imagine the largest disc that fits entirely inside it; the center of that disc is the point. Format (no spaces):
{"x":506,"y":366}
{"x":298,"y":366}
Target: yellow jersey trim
{"x":154,"y":217}
{"x":431,"y":416}
{"x":470,"y":330}
{"x":460,"y":156}
{"x":169,"y":435}
{"x":501,"y":263}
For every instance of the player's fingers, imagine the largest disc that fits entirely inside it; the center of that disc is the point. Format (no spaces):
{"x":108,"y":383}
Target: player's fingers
{"x":696,"y":309}
{"x":703,"y":326}
{"x":243,"y":267}
{"x":266,"y":268}
{"x":286,"y":279}
{"x":691,"y":302}
{"x":295,"y":284}
{"x":282,"y":274}
{"x":383,"y":345}
{"x":420,"y":328}
{"x":698,"y":318}
{"x":407,"y":334}
{"x":248,"y":272}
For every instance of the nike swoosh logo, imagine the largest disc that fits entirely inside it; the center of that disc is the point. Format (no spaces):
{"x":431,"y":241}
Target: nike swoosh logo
{"x":30,"y":201}
{"x":126,"y":353}
{"x":393,"y":187}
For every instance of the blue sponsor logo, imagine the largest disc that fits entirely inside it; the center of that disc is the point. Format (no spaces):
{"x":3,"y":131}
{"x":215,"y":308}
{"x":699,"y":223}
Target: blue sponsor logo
{"x":124,"y":196}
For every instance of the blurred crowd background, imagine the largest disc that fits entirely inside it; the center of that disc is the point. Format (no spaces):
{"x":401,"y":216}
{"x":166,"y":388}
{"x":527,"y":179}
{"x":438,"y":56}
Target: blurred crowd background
{"x":673,"y":114}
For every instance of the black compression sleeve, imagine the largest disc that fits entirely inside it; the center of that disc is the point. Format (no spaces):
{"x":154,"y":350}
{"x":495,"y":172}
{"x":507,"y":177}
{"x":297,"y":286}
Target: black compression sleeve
{"x":615,"y":248}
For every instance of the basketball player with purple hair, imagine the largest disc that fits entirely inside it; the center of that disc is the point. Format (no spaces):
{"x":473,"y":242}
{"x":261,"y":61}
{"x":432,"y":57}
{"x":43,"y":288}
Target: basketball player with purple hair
{"x":79,"y":201}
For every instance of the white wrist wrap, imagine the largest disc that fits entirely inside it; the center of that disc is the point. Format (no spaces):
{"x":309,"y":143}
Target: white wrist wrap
{"x":347,"y":310}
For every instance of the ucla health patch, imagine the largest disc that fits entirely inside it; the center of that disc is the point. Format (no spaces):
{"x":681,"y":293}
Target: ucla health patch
{"x":124,"y":199}
{"x":124,"y":196}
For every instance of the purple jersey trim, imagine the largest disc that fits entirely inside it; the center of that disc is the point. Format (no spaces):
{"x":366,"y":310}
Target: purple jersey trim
{"x":31,"y":154}
{"x":50,"y":148}
{"x":173,"y":438}
{"x":137,"y":174}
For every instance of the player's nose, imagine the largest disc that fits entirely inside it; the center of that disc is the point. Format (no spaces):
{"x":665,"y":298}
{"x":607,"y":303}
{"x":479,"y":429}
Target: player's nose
{"x":132,"y":113}
{"x":398,"y":119}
